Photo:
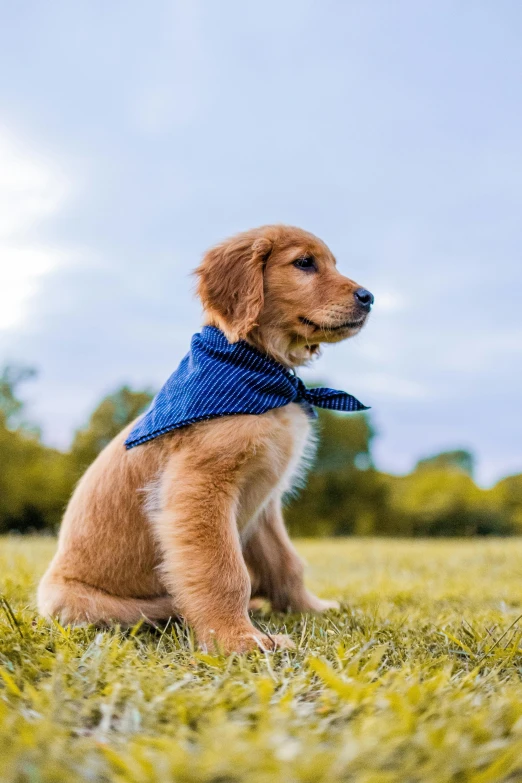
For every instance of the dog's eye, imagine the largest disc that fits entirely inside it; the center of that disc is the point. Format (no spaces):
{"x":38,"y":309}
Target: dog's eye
{"x":306,"y":262}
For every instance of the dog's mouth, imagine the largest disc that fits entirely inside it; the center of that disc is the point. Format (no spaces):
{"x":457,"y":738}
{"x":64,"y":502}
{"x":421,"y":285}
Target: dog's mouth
{"x":328,"y":328}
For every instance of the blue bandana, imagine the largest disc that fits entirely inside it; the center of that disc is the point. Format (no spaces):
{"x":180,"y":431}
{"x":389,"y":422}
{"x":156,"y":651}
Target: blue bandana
{"x":218,"y":378}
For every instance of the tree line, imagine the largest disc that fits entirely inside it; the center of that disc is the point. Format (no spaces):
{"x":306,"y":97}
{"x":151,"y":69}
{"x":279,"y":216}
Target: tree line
{"x":344,"y":494}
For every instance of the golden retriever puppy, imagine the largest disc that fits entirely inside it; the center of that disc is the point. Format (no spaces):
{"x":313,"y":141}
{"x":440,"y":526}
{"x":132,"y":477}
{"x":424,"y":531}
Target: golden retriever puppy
{"x":188,"y":521}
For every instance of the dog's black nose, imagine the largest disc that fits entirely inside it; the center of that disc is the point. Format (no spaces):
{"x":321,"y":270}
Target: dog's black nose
{"x":364,"y":298}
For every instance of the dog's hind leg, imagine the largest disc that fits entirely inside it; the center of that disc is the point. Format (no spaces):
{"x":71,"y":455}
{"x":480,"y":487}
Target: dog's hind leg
{"x":275,"y":568}
{"x":76,"y":603}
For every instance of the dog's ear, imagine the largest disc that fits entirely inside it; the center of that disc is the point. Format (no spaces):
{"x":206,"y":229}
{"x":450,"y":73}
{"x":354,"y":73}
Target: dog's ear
{"x":230,"y":282}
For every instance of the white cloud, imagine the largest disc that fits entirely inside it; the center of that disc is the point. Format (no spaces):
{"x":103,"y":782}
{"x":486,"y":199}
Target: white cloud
{"x":20,"y":269}
{"x":31,"y":190}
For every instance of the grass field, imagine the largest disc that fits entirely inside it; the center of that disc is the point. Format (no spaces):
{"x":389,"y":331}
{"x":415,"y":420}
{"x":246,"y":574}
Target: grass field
{"x":418,"y":678}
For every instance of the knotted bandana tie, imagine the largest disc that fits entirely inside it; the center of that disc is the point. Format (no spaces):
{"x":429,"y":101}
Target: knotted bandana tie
{"x":218,"y":378}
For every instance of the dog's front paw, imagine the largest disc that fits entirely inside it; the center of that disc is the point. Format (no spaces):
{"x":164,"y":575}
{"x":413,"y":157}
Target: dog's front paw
{"x":245,"y":641}
{"x":277,"y":641}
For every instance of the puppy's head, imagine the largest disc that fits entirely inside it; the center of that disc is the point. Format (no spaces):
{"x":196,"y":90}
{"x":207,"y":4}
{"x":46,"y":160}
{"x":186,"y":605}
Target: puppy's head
{"x":279,"y":288}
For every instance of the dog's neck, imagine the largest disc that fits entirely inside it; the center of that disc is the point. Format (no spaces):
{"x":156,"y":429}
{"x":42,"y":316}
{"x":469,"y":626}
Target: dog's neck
{"x":271,"y":341}
{"x":282,"y":347}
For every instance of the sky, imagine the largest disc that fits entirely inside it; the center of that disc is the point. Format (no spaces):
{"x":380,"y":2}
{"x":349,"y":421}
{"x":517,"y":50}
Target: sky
{"x":135,"y":135}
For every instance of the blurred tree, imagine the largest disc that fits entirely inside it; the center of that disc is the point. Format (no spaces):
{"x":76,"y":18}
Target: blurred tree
{"x":34,"y":480}
{"x":112,"y":414}
{"x":344,"y":441}
{"x":11,"y":407}
{"x":34,"y":483}
{"x":508,"y":497}
{"x":433,"y":501}
{"x":449,"y":460}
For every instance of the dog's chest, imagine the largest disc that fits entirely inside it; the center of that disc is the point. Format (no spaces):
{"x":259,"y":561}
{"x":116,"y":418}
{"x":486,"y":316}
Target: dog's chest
{"x":280,"y":463}
{"x":301,"y":442}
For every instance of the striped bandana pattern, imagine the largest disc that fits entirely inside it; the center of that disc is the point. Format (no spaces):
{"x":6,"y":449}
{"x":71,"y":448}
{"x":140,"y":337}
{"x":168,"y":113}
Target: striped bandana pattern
{"x":217,"y":378}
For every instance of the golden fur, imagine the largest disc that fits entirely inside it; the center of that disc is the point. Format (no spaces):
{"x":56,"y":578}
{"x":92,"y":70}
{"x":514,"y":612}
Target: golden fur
{"x":190,"y":523}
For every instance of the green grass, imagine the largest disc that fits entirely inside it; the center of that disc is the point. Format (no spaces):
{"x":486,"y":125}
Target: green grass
{"x":418,"y":678}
